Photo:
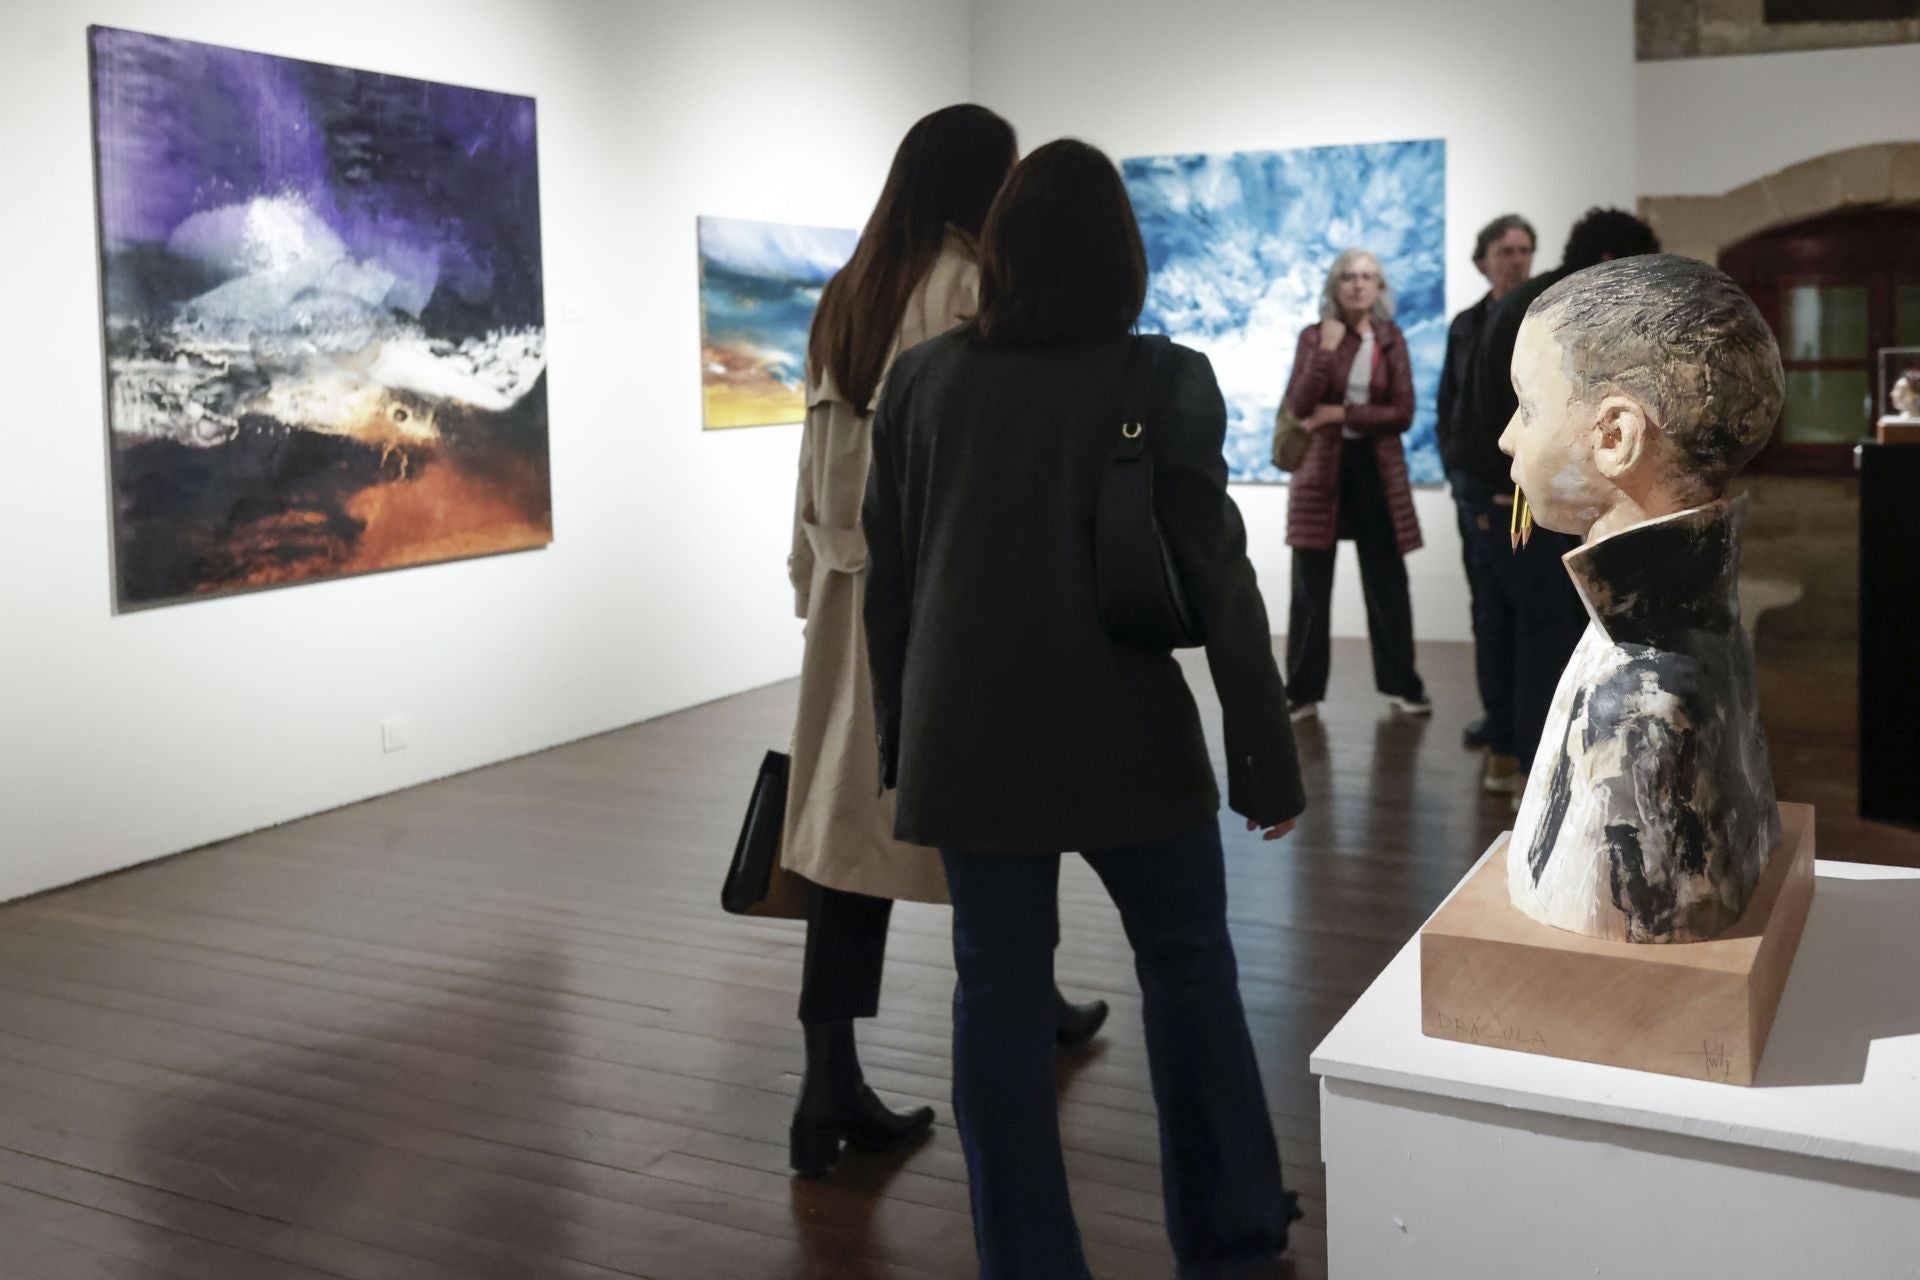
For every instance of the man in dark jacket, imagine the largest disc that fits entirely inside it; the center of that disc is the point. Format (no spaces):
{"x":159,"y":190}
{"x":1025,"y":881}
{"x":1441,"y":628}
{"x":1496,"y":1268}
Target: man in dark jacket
{"x":1503,"y":253}
{"x":1527,"y":616}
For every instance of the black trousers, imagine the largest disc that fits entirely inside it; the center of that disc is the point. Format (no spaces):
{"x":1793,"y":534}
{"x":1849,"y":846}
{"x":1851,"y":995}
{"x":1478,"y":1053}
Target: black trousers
{"x":1365,"y":518}
{"x":1483,"y":534}
{"x":1485,"y":547}
{"x":1527,"y":618}
{"x":846,"y":949}
{"x":1527,"y":621}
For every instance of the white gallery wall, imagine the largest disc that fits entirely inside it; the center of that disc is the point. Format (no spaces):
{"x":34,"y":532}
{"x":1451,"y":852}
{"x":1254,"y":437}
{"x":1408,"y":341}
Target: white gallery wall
{"x":1533,"y":97}
{"x":123,"y":738}
{"x":1708,"y":125}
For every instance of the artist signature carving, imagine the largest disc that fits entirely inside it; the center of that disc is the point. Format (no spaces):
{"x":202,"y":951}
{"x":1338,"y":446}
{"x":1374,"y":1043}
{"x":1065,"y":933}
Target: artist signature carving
{"x":1489,"y":1030}
{"x":1714,"y":1053}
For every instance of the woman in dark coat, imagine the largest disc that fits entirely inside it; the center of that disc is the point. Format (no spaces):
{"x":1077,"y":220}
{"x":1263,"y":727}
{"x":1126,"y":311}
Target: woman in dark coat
{"x":1353,"y":387}
{"x":1015,"y":726}
{"x":913,"y":275}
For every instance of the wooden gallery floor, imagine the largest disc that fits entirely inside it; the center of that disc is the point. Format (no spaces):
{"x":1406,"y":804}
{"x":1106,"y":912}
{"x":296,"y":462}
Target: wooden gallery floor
{"x":497,"y":1027}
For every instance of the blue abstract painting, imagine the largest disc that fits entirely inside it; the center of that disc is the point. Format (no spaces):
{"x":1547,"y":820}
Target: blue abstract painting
{"x":759,"y":285}
{"x":1239,"y":246}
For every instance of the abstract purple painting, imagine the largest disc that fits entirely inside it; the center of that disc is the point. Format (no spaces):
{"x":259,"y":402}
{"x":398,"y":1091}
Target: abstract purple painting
{"x":325,"y":336}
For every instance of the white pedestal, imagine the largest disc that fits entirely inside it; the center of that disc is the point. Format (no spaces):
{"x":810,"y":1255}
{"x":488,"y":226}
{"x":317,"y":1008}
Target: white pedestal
{"x":1451,"y":1161}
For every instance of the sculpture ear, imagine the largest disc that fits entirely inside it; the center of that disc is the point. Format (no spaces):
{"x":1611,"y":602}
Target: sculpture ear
{"x":1622,"y":436}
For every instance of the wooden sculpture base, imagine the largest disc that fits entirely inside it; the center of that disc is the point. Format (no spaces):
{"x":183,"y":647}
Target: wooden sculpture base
{"x":1491,"y":975}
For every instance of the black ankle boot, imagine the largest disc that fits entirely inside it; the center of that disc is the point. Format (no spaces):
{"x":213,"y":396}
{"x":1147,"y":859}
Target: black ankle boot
{"x":1075,"y":1024}
{"x":836,"y":1107}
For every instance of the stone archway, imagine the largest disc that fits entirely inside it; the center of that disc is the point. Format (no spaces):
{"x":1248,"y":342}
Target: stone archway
{"x":1802,"y":547}
{"x":1704,"y":226}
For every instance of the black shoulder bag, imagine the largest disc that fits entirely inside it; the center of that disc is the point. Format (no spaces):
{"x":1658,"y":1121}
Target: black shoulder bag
{"x":1141,"y":599}
{"x":756,"y":883}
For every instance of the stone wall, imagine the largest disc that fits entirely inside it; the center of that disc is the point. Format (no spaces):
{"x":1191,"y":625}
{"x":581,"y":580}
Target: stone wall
{"x":1666,"y":29}
{"x":1804,"y":530}
{"x":1705,"y":226}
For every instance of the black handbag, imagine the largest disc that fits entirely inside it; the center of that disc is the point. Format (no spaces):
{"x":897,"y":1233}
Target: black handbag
{"x":1141,"y":599}
{"x":756,"y":883}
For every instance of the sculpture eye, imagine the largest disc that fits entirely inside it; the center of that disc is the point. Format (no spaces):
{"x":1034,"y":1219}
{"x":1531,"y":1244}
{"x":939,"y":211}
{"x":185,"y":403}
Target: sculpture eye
{"x":400,"y":413}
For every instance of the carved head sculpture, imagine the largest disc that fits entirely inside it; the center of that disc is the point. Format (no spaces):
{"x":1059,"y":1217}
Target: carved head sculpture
{"x":1906,"y":394}
{"x":1645,"y":384}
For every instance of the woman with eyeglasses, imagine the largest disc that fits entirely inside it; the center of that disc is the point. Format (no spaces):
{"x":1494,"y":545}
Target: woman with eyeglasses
{"x":1352,"y":387}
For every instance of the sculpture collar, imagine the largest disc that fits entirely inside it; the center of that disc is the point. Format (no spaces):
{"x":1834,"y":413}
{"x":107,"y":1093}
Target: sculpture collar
{"x":1655,"y":582}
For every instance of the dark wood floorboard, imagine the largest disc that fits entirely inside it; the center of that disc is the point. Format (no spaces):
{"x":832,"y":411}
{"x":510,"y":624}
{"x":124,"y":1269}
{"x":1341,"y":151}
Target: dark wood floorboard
{"x":498,"y":1026}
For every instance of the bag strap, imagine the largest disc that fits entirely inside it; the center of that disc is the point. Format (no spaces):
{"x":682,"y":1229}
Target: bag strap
{"x":1137,"y":383}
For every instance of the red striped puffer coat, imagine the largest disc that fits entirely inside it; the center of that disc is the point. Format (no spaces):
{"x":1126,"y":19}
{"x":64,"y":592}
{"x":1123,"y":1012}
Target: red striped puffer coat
{"x":1320,"y":377}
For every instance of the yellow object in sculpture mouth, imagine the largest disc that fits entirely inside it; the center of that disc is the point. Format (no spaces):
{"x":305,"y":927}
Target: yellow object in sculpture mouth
{"x":1520,"y":524}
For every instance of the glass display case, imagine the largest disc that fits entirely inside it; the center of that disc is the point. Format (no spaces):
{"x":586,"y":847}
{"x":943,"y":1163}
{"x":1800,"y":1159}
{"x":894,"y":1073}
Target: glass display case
{"x":1898,"y":405}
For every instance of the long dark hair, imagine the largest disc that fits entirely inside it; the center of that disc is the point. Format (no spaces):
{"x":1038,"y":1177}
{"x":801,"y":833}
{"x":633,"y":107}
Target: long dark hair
{"x":946,"y":172}
{"x":1061,"y":259}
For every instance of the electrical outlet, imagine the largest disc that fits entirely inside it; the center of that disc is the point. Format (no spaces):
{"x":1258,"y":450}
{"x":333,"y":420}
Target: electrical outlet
{"x":393,"y":734}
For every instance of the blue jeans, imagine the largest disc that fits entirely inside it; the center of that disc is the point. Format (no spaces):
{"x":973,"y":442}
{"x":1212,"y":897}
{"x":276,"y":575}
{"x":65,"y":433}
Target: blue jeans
{"x":1220,"y":1167}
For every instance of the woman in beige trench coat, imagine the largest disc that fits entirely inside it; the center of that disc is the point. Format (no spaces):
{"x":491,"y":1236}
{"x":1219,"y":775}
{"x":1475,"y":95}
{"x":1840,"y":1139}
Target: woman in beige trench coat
{"x":913,"y":276}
